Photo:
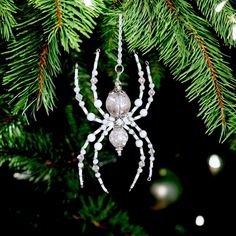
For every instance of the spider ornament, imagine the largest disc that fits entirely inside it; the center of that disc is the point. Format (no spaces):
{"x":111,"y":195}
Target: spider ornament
{"x":119,"y":121}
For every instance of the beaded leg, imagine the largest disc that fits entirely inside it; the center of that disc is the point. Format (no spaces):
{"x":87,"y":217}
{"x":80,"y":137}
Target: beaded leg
{"x":97,"y":148}
{"x":79,"y":98}
{"x":90,"y":138}
{"x":97,"y":102}
{"x":151,"y":93}
{"x":143,"y":135}
{"x":139,"y":144}
{"x":138,"y":102}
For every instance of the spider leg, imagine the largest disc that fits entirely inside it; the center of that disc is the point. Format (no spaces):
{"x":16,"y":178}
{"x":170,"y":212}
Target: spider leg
{"x":97,"y":148}
{"x":97,"y":102}
{"x":79,"y":98}
{"x":139,"y":144}
{"x":90,"y":138}
{"x":143,"y":112}
{"x":143,"y":135}
{"x":138,"y":102}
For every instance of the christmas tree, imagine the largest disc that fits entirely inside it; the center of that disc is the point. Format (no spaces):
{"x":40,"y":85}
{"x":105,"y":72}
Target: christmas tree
{"x":190,"y":47}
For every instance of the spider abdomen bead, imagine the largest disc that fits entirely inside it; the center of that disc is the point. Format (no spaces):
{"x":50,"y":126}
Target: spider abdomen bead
{"x":118,"y":103}
{"x":118,"y":138}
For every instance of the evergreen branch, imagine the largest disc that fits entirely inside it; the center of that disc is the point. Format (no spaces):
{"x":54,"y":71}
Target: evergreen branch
{"x":41,"y":70}
{"x":7,"y":20}
{"x":103,"y":214}
{"x":33,"y":62}
{"x":223,"y":21}
{"x":208,"y":61}
{"x":211,"y":67}
{"x":72,"y":19}
{"x":59,"y":15}
{"x":192,"y":53}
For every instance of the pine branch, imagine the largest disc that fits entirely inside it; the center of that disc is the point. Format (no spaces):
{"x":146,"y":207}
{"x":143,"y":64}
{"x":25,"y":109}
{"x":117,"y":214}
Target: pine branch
{"x":102,"y":213}
{"x":192,"y":53}
{"x":32,"y":62}
{"x":71,"y":19}
{"x":29,"y":79}
{"x":7,"y":20}
{"x":223,"y":21}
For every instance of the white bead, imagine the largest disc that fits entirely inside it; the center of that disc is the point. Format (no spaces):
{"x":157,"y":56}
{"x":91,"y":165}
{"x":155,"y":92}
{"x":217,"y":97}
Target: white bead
{"x":142,"y":87}
{"x":98,"y":146}
{"x":150,"y":99}
{"x":139,"y":143}
{"x":140,"y":170}
{"x":131,"y":131}
{"x":98,"y":175}
{"x":143,"y":112}
{"x":91,"y":117}
{"x":93,"y":87}
{"x":141,"y":73}
{"x":150,"y":145}
{"x":106,"y":116}
{"x":152,"y":158}
{"x":81,"y":103}
{"x":95,"y":161}
{"x":151,"y":85}
{"x":143,"y":134}
{"x":138,"y":102}
{"x":105,"y":133}
{"x":103,"y":127}
{"x":76,"y":89}
{"x":80,"y":165}
{"x":105,"y":122}
{"x":142,"y":158}
{"x":98,"y":103}
{"x":83,"y":152}
{"x":91,"y":137}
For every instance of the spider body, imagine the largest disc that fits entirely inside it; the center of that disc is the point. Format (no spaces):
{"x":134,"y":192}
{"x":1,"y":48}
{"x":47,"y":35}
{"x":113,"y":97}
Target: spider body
{"x":118,"y":122}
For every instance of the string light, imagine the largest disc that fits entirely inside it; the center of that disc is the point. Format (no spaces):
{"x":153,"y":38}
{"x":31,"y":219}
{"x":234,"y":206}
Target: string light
{"x":220,"y":6}
{"x":215,"y":163}
{"x":199,"y":221}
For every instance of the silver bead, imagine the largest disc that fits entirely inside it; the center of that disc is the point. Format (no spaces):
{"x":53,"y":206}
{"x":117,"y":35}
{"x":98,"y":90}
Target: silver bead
{"x":118,"y":103}
{"x":118,"y":138}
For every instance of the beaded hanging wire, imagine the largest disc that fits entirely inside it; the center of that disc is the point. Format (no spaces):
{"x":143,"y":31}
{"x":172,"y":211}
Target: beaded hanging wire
{"x":119,"y":121}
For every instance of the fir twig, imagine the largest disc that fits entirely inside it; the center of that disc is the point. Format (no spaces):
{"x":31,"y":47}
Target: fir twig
{"x":7,"y":20}
{"x":222,"y":21}
{"x":104,"y":215}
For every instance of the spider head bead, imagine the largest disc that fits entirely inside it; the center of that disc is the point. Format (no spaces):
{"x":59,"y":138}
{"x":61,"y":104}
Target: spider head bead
{"x":118,"y":103}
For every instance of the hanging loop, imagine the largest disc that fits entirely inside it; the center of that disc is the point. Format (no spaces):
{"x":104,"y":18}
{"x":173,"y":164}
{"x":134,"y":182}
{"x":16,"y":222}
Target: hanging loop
{"x":119,"y":68}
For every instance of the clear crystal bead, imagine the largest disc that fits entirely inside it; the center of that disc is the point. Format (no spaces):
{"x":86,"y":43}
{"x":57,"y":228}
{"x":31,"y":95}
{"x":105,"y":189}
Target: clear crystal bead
{"x":118,"y":138}
{"x":94,"y":80}
{"x":141,"y":80}
{"x":118,"y":103}
{"x":141,"y":164}
{"x":79,"y":97}
{"x":151,"y":92}
{"x":95,"y":168}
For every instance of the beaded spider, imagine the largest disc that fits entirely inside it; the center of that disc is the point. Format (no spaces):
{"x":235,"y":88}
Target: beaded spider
{"x":118,"y":121}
